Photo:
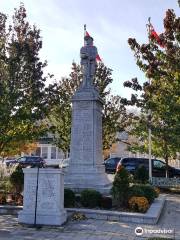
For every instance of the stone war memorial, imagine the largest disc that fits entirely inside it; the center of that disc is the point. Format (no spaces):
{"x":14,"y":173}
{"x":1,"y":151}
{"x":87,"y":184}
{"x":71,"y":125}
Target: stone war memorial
{"x":44,"y":188}
{"x":43,"y":197}
{"x":86,"y":169}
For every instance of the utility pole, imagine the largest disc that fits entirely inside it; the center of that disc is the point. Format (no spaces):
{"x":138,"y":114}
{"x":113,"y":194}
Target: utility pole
{"x":149,"y":120}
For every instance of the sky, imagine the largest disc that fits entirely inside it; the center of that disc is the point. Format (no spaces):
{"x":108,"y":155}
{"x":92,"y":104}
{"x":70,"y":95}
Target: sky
{"x":109,"y":22}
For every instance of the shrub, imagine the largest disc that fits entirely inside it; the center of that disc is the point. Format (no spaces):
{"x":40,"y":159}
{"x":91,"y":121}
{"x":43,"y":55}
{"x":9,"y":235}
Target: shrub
{"x":2,"y":198}
{"x":90,"y":198}
{"x":69,"y":198}
{"x":17,"y":179}
{"x":157,"y":191}
{"x":149,"y":192}
{"x":106,"y":202}
{"x":142,"y":191}
{"x":139,"y":204}
{"x":5,"y":171}
{"x":120,"y":186}
{"x":141,"y":175}
{"x":19,"y":199}
{"x":135,"y":191}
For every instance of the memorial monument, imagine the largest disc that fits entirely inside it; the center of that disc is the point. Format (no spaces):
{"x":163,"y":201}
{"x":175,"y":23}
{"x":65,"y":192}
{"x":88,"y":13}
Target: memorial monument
{"x":86,"y":169}
{"x":43,"y":202}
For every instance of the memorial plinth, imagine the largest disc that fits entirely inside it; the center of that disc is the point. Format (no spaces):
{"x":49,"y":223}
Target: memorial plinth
{"x":86,"y":169}
{"x":49,"y":209}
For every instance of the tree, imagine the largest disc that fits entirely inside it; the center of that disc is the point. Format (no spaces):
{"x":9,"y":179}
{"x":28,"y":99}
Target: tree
{"x":23,"y":95}
{"x":114,"y":113}
{"x":16,"y":148}
{"x":160,"y":61}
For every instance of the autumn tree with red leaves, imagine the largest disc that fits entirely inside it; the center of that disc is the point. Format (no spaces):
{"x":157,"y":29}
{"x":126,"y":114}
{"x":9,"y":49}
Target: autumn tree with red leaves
{"x":160,"y":93}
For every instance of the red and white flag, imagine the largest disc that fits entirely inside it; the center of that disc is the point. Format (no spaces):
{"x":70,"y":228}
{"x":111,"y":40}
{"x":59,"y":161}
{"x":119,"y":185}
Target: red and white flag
{"x":154,"y":35}
{"x":98,"y":59}
{"x":86,"y":34}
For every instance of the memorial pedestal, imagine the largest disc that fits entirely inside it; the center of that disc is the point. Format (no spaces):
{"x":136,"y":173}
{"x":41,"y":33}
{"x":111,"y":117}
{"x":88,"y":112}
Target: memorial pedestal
{"x":50,"y":197}
{"x":86,"y":169}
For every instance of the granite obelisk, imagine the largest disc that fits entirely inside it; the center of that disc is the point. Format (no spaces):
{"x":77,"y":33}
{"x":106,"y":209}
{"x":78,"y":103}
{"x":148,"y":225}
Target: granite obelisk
{"x":86,"y":169}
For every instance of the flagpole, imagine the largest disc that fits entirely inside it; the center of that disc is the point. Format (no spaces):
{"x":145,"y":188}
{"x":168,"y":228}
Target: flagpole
{"x":149,"y":123}
{"x":84,"y":32}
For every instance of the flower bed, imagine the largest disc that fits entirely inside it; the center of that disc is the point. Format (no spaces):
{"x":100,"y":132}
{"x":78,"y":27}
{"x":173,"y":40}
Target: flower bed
{"x":127,"y":195}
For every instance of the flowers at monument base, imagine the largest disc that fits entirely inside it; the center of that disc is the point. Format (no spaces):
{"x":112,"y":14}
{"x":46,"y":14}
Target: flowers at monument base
{"x":139,"y":204}
{"x":78,"y":217}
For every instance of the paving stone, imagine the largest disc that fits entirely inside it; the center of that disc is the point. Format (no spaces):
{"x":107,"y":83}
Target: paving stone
{"x":91,"y":229}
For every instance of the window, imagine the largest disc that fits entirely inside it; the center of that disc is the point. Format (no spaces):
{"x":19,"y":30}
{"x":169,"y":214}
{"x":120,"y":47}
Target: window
{"x":33,"y":159}
{"x":60,"y":154}
{"x":159,"y":164}
{"x":44,"y":152}
{"x":129,"y":161}
{"x":53,"y":152}
{"x":22,"y":159}
{"x":38,"y":151}
{"x":117,"y":160}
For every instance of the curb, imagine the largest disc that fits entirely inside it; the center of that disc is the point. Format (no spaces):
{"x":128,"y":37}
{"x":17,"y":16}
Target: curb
{"x":150,"y":217}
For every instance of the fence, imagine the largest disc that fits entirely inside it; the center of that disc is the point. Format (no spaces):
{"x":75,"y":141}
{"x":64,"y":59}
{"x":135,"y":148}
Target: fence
{"x":166,"y":182}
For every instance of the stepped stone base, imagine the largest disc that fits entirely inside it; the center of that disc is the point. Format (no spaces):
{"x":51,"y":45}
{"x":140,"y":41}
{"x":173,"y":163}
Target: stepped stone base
{"x":87,"y":177}
{"x":43,"y":218}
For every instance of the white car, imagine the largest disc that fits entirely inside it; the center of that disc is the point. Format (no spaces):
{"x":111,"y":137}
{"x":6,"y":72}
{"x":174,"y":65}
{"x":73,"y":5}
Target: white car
{"x":64,"y":163}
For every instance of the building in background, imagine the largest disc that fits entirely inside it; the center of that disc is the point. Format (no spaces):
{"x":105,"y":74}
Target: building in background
{"x":48,"y":151}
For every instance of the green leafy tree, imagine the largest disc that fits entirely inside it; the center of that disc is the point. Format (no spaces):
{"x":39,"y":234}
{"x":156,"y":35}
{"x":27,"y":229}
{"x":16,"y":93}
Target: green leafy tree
{"x":23,"y":95}
{"x":160,"y":61}
{"x":114,"y":113}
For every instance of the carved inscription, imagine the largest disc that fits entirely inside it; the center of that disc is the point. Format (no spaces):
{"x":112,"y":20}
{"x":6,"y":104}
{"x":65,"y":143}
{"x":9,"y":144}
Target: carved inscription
{"x":30,"y":189}
{"x":47,"y":193}
{"x":82,"y":133}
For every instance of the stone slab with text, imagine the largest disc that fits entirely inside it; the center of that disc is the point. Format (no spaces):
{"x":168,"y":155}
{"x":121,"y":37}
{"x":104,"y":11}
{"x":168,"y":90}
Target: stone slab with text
{"x":50,"y":197}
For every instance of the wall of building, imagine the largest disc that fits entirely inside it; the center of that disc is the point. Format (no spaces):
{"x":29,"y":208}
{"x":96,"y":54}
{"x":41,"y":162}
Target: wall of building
{"x":50,"y":153}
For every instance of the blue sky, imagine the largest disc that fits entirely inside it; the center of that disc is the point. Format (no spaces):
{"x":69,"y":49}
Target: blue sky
{"x":110,"y":23}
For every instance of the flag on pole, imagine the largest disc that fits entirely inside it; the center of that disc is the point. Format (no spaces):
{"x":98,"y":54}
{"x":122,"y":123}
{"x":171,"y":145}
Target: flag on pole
{"x":153,"y":35}
{"x":98,"y":59}
{"x":86,"y":34}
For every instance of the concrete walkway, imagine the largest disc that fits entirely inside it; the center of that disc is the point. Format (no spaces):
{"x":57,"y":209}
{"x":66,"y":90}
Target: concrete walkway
{"x":91,"y":229}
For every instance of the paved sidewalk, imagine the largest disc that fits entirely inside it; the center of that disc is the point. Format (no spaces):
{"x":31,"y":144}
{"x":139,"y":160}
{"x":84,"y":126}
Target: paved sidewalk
{"x":91,"y":229}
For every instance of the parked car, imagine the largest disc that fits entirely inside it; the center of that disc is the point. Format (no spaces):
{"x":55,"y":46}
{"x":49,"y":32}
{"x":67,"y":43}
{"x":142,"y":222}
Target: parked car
{"x":158,"y":166}
{"x":10,"y":161}
{"x":27,"y":161}
{"x":64,"y":163}
{"x":111,"y":164}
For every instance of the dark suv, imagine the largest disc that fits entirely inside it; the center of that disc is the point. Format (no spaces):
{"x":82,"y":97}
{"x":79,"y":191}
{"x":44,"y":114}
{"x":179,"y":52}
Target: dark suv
{"x":27,"y":161}
{"x":111,"y":164}
{"x":158,"y":166}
